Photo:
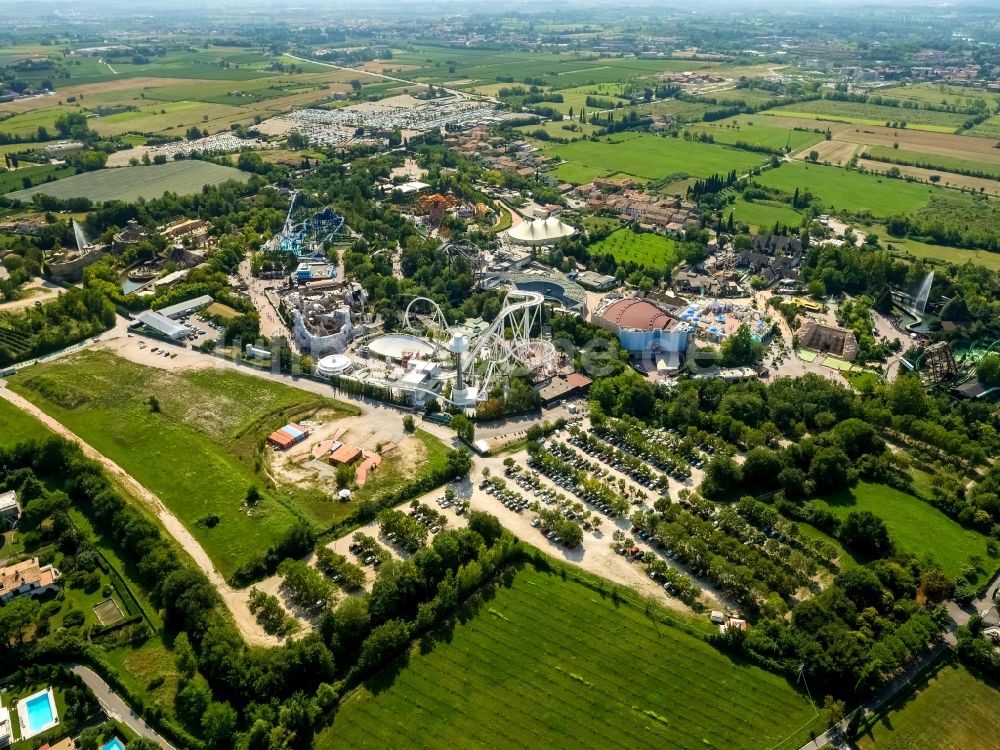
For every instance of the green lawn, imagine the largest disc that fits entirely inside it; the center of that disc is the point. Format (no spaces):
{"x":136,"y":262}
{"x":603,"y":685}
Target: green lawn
{"x":198,"y":453}
{"x":14,"y":179}
{"x":916,"y":526}
{"x":548,"y":662}
{"x":132,"y":183}
{"x":842,"y":189}
{"x":952,"y":710}
{"x":18,"y":426}
{"x":763,"y":215}
{"x":652,"y":157}
{"x":650,"y":250}
{"x":944,"y":253}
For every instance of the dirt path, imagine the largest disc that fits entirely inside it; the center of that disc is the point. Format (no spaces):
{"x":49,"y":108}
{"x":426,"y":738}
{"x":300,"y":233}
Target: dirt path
{"x":235,"y":600}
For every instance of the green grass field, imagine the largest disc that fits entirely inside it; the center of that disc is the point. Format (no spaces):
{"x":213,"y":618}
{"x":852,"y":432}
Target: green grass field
{"x":14,"y":179}
{"x":916,"y":526}
{"x":763,"y":215}
{"x":197,"y":454}
{"x":941,"y":253}
{"x":844,"y":190}
{"x":18,"y":426}
{"x":951,"y":710}
{"x":874,"y":114}
{"x":131,"y":183}
{"x":650,"y":157}
{"x":548,"y":662}
{"x":651,"y":250}
{"x":748,"y":129}
{"x":933,"y":161}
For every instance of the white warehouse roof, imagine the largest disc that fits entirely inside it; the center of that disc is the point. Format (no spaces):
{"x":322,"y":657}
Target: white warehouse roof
{"x":164,"y":325}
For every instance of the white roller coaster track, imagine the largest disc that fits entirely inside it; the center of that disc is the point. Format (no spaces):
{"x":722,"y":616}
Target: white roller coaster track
{"x":520,"y":312}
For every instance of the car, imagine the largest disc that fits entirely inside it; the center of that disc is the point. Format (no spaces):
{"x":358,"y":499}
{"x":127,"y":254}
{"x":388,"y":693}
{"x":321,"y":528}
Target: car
{"x":435,"y":529}
{"x":550,"y":535}
{"x":536,"y":522}
{"x":370,"y":559}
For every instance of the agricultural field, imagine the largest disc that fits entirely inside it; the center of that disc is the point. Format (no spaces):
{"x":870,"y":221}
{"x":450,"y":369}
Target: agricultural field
{"x":942,"y":178}
{"x":549,"y":662}
{"x":940,"y":93}
{"x":763,"y":215}
{"x":942,"y":253}
{"x":649,"y":157}
{"x":989,"y":128}
{"x":571,"y":131}
{"x":874,"y":114}
{"x":755,"y":132}
{"x":132,"y":183}
{"x":950,"y":710}
{"x":18,"y":179}
{"x":931,"y":161}
{"x":916,"y":526}
{"x":18,"y":426}
{"x":642,"y":248}
{"x":471,"y":68}
{"x":843,"y":190}
{"x":198,"y":453}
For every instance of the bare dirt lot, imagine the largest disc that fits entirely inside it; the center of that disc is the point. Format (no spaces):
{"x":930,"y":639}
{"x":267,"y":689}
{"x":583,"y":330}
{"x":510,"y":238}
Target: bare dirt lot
{"x":298,"y":467}
{"x":948,"y":179}
{"x":834,"y":151}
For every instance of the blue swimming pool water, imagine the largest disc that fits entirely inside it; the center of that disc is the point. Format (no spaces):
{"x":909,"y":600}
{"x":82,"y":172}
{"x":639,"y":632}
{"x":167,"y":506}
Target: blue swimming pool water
{"x":39,"y":712}
{"x":115,"y":744}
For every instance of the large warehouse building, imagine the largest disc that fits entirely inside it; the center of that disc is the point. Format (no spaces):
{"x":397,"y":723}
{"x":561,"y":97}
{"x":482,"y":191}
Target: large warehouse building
{"x":643,"y":327}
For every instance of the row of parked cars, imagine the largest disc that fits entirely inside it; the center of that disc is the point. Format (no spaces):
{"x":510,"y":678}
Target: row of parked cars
{"x":569,"y":484}
{"x":366,"y":554}
{"x":510,"y":499}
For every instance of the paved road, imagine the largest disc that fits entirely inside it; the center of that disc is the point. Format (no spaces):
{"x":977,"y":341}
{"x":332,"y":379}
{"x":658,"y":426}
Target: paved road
{"x":115,"y":707}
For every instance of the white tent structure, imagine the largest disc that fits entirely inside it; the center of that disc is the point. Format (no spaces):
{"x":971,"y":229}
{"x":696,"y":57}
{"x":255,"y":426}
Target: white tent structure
{"x":540,"y":232}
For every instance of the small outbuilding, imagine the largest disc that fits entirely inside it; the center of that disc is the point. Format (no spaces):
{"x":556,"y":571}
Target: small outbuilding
{"x":289,"y":435}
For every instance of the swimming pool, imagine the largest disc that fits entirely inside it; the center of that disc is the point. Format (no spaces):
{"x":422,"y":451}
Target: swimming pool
{"x":37,"y":713}
{"x":114,"y":744}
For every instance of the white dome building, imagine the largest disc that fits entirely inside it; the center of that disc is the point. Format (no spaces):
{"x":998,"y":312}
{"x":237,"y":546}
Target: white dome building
{"x":540,"y":232}
{"x":334,"y":364}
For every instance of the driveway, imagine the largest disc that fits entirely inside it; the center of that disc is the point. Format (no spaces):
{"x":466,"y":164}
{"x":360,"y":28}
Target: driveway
{"x":115,"y":707}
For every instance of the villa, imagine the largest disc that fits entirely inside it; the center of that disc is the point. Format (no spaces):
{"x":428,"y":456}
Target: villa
{"x":27,"y":577}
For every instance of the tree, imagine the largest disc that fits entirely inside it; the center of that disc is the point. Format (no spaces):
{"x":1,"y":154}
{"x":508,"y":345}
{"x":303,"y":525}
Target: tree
{"x":345,"y":475}
{"x":833,"y":711}
{"x":988,"y":370}
{"x":830,"y":469}
{"x":408,"y":424}
{"x":907,"y":396}
{"x":464,"y":427}
{"x":184,"y":657}
{"x":154,"y":404}
{"x":866,"y":533}
{"x":740,"y":349}
{"x":219,"y":724}
{"x":857,"y":438}
{"x":935,"y":585}
{"x":813,"y":156}
{"x":486,"y":525}
{"x":192,"y":702}
{"x":385,"y":641}
{"x":761,"y":468}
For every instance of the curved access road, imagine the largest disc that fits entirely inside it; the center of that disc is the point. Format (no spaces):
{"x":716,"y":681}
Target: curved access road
{"x":115,"y":707}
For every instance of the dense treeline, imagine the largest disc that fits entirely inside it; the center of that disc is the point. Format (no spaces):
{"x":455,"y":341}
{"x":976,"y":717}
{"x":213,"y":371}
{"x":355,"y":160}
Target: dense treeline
{"x":73,"y":316}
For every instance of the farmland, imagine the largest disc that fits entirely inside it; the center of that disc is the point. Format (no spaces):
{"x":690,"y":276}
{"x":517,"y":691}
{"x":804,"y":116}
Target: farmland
{"x":916,"y":526}
{"x":132,"y":183}
{"x":950,"y":710}
{"x":763,"y":215}
{"x":197,"y":453}
{"x":931,"y":161}
{"x":941,"y":253}
{"x":650,"y":250}
{"x":649,"y":157}
{"x":550,"y":662}
{"x":874,"y":114}
{"x":765,"y":134}
{"x":842,"y":190}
